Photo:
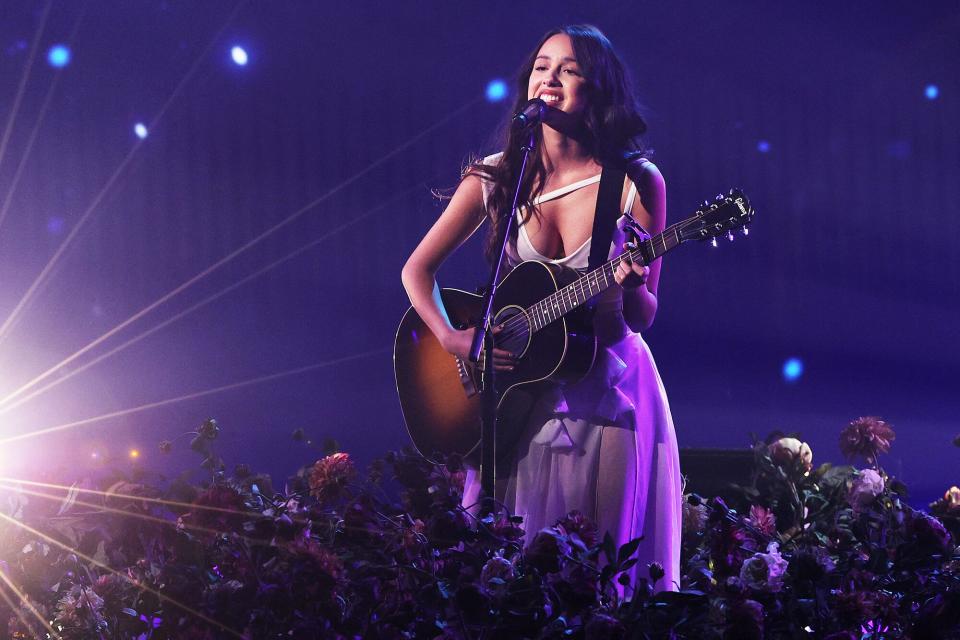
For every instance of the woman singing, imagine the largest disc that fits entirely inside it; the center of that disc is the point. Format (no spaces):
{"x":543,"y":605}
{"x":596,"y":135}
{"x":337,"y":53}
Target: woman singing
{"x":606,"y":445}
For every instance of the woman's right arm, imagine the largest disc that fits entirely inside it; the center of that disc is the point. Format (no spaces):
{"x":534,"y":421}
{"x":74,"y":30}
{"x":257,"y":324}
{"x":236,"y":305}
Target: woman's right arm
{"x":462,"y":217}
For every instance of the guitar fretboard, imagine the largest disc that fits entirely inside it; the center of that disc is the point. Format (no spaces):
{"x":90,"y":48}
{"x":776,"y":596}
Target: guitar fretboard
{"x":565,"y":300}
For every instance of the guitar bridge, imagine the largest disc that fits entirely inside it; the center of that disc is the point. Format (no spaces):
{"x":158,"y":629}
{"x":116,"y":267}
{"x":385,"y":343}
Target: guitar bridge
{"x":466,"y":379}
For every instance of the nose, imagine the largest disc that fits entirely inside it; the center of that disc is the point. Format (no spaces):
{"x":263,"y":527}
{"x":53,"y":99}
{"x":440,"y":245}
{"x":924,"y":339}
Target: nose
{"x":551,"y":79}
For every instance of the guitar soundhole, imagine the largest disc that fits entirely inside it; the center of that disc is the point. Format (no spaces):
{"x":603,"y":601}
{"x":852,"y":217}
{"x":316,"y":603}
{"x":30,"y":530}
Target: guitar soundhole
{"x":515,"y":335}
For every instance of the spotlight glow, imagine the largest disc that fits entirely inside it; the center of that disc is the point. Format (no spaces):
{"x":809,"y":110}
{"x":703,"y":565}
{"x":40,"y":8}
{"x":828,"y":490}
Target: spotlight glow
{"x":239,"y":56}
{"x":932,"y":91}
{"x":496,"y":90}
{"x":134,"y":454}
{"x":763,"y":146}
{"x":58,"y":55}
{"x":55,"y":225}
{"x":792,"y":369}
{"x":140,"y":130}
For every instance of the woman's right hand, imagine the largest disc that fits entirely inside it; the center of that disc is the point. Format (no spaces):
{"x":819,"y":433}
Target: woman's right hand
{"x":458,"y":342}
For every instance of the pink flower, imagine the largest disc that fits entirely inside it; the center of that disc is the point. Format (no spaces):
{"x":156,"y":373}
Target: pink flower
{"x":866,"y":438}
{"x":787,"y":452}
{"x":329,"y":476}
{"x":763,"y":520}
{"x":575,"y":523}
{"x":764,"y":571}
{"x":866,"y":486}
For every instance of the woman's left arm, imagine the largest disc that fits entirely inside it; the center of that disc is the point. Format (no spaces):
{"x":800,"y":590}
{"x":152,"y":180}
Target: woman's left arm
{"x":640,"y":283}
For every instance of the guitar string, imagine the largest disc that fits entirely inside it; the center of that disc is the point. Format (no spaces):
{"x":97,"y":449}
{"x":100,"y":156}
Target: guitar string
{"x":517,"y":324}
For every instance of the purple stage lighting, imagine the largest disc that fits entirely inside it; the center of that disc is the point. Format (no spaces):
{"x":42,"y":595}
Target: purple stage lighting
{"x":763,"y":146}
{"x":932,"y":91}
{"x":58,"y":56}
{"x":496,"y":90}
{"x":141,"y":130}
{"x":239,"y":56}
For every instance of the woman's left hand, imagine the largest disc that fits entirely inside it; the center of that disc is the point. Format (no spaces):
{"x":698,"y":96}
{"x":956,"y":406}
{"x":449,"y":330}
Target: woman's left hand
{"x":631,"y":275}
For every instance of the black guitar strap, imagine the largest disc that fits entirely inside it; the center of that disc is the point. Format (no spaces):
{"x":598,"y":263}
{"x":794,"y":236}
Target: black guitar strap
{"x":605,"y":217}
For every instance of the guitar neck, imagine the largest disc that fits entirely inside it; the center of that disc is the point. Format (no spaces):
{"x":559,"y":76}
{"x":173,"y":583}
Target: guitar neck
{"x":595,"y":282}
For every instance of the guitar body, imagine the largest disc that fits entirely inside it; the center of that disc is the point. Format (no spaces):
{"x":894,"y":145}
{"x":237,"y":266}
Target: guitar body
{"x":541,"y":309}
{"x":439,"y":393}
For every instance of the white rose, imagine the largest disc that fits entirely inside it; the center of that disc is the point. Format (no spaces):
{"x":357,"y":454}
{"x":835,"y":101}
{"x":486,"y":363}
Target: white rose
{"x":786,"y":450}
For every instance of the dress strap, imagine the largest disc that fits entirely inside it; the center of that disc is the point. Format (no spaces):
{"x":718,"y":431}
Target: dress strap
{"x":562,"y":191}
{"x":631,"y":196}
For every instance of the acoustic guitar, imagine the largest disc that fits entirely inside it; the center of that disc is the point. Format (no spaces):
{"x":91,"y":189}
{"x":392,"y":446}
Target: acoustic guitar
{"x":544,"y":318}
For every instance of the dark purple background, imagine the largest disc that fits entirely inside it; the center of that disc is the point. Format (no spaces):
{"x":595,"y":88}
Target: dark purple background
{"x":852,"y":264}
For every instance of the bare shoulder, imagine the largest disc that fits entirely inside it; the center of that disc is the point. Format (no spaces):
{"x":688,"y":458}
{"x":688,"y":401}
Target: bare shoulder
{"x":646,"y":175}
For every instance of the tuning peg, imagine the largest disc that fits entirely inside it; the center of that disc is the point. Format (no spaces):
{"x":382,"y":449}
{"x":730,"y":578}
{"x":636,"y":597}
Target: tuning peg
{"x":719,"y":196}
{"x":730,"y":236}
{"x":706,"y":203}
{"x":713,"y":242}
{"x":745,"y":231}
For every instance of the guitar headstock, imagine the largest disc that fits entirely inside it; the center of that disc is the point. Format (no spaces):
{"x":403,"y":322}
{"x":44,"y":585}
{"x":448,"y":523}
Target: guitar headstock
{"x":717,"y":218}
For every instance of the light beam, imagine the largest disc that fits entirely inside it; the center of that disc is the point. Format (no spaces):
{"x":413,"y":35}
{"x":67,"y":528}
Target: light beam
{"x":139,"y":585}
{"x":40,"y":279}
{"x":145,"y":516}
{"x":15,"y":482}
{"x":32,"y":609}
{"x":190,"y":396}
{"x":21,"y":88}
{"x":242,"y":249}
{"x":6,"y":403}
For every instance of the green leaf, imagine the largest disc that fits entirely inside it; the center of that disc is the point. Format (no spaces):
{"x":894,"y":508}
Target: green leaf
{"x":606,"y":573}
{"x":609,"y":548}
{"x":628,"y":550}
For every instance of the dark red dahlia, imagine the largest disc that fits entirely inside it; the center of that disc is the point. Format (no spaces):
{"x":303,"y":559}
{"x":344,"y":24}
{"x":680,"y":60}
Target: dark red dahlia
{"x":579,"y":524}
{"x":329,"y":476}
{"x":866,"y":438}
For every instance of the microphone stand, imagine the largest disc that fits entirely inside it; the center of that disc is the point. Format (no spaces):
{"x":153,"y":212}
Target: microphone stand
{"x":483,"y":341}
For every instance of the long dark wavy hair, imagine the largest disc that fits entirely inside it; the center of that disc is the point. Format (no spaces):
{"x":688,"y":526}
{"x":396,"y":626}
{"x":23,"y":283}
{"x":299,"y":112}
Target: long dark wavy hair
{"x":612,"y":126}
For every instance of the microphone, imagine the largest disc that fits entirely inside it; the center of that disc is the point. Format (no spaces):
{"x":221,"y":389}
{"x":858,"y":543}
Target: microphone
{"x":530,"y":115}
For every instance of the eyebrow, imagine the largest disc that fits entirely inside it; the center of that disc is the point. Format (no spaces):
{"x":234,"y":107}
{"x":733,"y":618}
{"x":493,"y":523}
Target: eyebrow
{"x":565,"y":59}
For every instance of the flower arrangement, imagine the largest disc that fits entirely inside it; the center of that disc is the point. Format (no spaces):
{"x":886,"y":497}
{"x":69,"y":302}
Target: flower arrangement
{"x":803,"y":551}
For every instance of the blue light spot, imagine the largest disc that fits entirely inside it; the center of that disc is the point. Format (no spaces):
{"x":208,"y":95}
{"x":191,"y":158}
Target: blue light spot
{"x":792,"y":369}
{"x":496,"y":90}
{"x":932,"y":91}
{"x":763,"y":146}
{"x":55,"y":225}
{"x":59,"y":55}
{"x":141,"y":130}
{"x":239,"y":56}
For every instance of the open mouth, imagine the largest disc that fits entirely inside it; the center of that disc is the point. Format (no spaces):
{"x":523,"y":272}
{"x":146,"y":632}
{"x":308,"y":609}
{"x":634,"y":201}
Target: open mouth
{"x":551,"y":99}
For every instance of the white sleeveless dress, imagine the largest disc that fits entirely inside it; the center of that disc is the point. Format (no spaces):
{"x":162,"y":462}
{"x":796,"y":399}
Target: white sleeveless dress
{"x":605,"y":445}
